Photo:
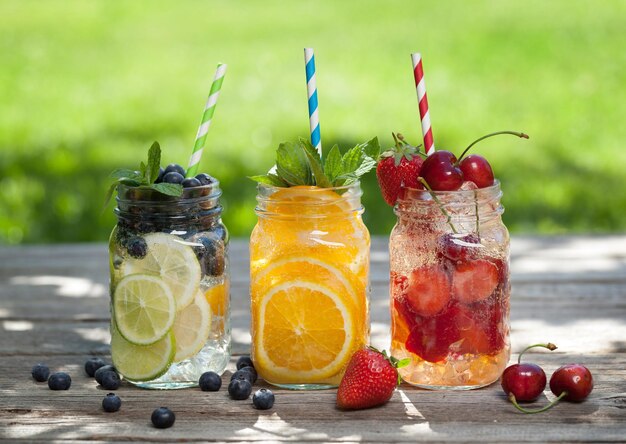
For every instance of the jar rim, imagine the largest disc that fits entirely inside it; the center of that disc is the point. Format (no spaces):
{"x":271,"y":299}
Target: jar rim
{"x":409,"y":194}
{"x":312,"y":188}
{"x":147,"y":194}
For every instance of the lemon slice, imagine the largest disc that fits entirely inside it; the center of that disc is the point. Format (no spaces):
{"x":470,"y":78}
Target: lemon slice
{"x":174,"y":261}
{"x":144,"y":308}
{"x":192,"y":327}
{"x":305,"y":332}
{"x":141,"y":362}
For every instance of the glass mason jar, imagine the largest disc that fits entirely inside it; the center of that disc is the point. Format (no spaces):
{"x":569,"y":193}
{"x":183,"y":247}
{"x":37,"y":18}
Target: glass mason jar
{"x":170,"y":314}
{"x":309,"y":268}
{"x":449,"y":287}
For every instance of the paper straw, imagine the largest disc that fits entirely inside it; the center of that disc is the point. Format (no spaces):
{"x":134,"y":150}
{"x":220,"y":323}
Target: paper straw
{"x":314,"y":119}
{"x":209,"y":109}
{"x":427,"y":131}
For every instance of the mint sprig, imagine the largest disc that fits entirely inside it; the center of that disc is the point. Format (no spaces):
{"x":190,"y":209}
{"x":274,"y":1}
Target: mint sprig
{"x":299,"y":163}
{"x":144,"y":177}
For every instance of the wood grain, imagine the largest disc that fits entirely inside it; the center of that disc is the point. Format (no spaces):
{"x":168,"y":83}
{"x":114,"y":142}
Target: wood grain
{"x":54,"y":308}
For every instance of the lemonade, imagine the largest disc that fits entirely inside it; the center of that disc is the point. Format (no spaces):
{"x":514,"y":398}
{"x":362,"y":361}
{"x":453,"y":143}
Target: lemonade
{"x":309,"y":265}
{"x":309,"y":259}
{"x":169,"y":286}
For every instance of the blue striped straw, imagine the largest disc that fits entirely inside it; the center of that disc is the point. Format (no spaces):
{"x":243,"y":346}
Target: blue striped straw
{"x":314,"y":118}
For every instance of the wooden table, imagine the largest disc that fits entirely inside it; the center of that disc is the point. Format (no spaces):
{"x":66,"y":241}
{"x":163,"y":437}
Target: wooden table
{"x":54,"y":308}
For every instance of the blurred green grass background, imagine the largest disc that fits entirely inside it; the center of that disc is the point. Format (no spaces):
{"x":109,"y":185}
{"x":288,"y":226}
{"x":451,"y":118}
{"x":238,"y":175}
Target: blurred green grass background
{"x":86,"y":86}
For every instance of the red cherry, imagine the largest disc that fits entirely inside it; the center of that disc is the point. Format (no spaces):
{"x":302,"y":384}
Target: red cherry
{"x":574,"y":380}
{"x":476,"y":169}
{"x":460,"y":247}
{"x":441,"y":172}
{"x":526,"y":381}
{"x":428,"y":290}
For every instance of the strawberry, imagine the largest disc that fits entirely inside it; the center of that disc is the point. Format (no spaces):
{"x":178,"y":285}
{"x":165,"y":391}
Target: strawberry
{"x":428,"y":290}
{"x":369,"y":380}
{"x":474,"y":281}
{"x":398,"y":167}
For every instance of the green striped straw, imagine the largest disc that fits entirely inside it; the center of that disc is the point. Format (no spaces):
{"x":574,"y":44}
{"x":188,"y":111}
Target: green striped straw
{"x":209,"y":109}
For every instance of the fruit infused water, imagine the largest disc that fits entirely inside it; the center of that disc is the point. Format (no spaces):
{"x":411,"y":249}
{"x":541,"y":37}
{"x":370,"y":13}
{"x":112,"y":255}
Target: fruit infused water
{"x":309,"y":265}
{"x":450,"y":287}
{"x":169,"y":279}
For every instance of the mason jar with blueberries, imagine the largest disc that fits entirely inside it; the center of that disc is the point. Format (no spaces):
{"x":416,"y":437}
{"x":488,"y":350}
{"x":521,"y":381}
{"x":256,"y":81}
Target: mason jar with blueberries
{"x":170,"y":316}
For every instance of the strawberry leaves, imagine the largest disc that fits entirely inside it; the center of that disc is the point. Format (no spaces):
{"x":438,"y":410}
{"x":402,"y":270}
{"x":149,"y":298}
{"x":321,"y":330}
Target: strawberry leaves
{"x":299,"y":163}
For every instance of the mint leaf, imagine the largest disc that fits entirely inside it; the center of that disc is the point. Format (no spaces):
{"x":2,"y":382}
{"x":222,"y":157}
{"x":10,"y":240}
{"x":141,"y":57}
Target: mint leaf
{"x":332,"y":164}
{"x":371,"y":148}
{"x":292,"y":165}
{"x":154,"y":162}
{"x":269,"y":179}
{"x":109,"y":195}
{"x":123,"y":173}
{"x":315,"y":163}
{"x":143,"y":170}
{"x":171,"y":189}
{"x":351,"y":160}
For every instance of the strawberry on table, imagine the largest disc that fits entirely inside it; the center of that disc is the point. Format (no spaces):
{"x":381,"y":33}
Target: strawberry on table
{"x":369,"y":380}
{"x":398,"y":167}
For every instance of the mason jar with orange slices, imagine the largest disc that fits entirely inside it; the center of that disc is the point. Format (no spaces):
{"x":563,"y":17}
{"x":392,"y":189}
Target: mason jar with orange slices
{"x":309,"y":266}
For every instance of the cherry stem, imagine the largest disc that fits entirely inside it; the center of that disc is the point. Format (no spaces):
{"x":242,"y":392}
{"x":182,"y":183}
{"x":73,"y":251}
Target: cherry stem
{"x":531,"y":411}
{"x":550,"y":346}
{"x":476,"y":208}
{"x":436,"y":199}
{"x":515,"y":133}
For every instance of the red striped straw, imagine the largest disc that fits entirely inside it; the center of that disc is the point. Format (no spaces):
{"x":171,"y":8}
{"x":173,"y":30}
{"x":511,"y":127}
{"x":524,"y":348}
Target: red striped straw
{"x":420,"y":85}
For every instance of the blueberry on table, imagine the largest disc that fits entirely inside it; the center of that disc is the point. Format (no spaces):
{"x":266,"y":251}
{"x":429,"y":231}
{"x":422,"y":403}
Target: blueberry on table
{"x":175,"y":168}
{"x":159,"y":178}
{"x":101,"y":371}
{"x":239,"y":389}
{"x":244,"y":361}
{"x":40,"y":372}
{"x":111,"y":403}
{"x":263,"y":399}
{"x":205,"y":179}
{"x":163,"y":418}
{"x":191,"y":182}
{"x":59,"y":381}
{"x":248,"y":373}
{"x":210,"y":382}
{"x":110,"y":380}
{"x":93,"y":364}
{"x":137,"y":247}
{"x":173,"y":177}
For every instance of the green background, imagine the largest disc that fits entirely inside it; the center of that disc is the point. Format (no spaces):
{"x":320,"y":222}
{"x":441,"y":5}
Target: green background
{"x":87,"y":86}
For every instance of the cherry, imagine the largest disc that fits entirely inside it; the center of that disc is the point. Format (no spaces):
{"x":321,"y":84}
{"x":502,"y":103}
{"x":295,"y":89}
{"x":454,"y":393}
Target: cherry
{"x":524,"y":382}
{"x":476,"y":169}
{"x":460,"y":247}
{"x":572,"y":382}
{"x":441,"y":172}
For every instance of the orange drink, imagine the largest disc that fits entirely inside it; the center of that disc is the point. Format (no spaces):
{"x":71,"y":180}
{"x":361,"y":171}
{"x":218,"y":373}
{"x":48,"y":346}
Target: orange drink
{"x":309,"y":266}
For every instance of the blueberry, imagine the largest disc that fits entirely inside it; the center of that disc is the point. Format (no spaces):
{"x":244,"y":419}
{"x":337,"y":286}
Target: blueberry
{"x":211,"y":253}
{"x":59,"y":381}
{"x":191,"y":182}
{"x":92,"y":365}
{"x":248,"y":373}
{"x":159,"y":178}
{"x":239,"y":389}
{"x":110,"y":380}
{"x":40,"y":372}
{"x":205,"y":179}
{"x":173,"y":177}
{"x":175,"y":168}
{"x":111,"y":403}
{"x":137,"y":247}
{"x":210,"y":382}
{"x":100,"y":372}
{"x":263,"y":399}
{"x":220,"y":232}
{"x":163,"y":418}
{"x":244,"y":361}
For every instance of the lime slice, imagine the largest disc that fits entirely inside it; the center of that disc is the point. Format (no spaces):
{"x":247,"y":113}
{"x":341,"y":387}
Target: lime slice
{"x":144,"y":308}
{"x":174,"y":261}
{"x":141,"y":362}
{"x":192,"y":327}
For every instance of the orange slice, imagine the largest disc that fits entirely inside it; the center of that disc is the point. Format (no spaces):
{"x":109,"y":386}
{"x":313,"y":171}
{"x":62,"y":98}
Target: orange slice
{"x":305,"y":332}
{"x":217,"y":297}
